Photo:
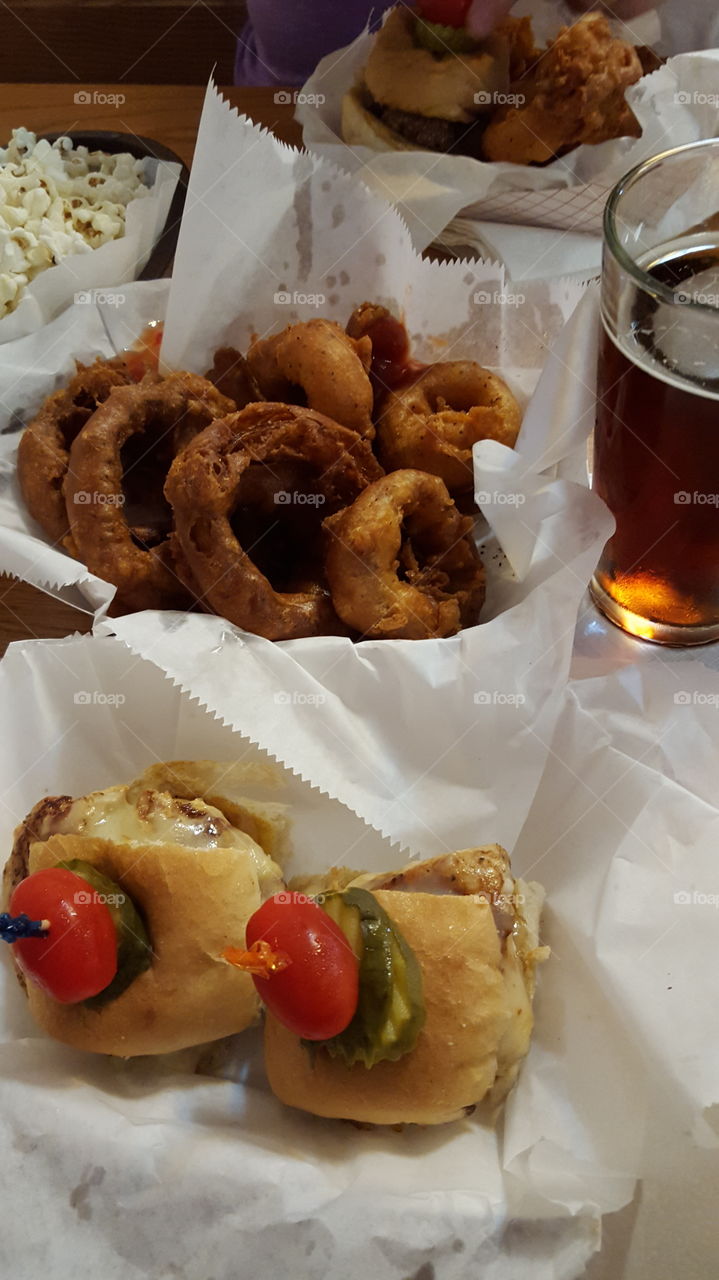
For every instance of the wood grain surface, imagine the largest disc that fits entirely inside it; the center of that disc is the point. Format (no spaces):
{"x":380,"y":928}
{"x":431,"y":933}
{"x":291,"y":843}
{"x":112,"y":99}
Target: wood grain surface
{"x":170,"y":115}
{"x":157,"y":41}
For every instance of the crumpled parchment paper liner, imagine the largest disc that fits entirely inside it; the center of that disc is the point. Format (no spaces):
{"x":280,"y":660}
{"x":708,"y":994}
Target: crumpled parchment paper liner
{"x":150,"y":1165}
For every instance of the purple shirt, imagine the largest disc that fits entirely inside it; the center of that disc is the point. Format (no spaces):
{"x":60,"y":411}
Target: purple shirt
{"x":284,"y":39}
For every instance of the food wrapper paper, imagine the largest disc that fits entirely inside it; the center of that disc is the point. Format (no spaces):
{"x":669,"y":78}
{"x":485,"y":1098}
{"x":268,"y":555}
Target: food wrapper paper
{"x":677,"y":104}
{"x":401,"y":732}
{"x":186,"y":1165}
{"x":77,"y":278}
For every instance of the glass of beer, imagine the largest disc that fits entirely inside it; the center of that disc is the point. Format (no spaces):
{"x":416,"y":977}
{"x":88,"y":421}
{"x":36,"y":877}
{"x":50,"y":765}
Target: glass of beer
{"x":656,"y":441}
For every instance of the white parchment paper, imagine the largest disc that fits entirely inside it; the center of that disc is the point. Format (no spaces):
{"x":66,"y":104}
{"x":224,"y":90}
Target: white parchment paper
{"x":112,"y":264}
{"x":172,"y":1166}
{"x":675,"y":105}
{"x":149,"y":1168}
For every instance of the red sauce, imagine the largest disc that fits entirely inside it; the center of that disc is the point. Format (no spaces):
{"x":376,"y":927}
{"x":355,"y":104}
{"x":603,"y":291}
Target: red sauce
{"x":392,"y":365}
{"x":144,"y":354}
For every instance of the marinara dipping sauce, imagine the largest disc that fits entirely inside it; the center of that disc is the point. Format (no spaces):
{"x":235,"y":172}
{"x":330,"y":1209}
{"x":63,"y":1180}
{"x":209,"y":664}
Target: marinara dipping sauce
{"x":392,"y":366}
{"x":144,"y":354}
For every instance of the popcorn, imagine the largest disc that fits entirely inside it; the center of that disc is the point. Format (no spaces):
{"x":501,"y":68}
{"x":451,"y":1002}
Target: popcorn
{"x":57,"y":200}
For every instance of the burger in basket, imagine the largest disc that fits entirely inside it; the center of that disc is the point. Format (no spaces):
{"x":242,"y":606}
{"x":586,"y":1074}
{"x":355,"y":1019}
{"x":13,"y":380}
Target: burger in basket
{"x":429,"y":85}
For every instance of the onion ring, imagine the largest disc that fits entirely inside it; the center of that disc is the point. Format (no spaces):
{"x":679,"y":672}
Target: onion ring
{"x":230,"y":373}
{"x":432,"y":423}
{"x":330,"y":368}
{"x":178,"y":407}
{"x":44,"y":448}
{"x":265,"y":447}
{"x":401,"y":562}
{"x":364,"y":319}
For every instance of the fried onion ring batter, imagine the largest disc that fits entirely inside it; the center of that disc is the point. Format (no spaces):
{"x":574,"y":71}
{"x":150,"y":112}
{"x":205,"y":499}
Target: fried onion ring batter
{"x":330,"y":368}
{"x":44,"y":449}
{"x":230,"y":373}
{"x":401,"y":562}
{"x":432,"y":423}
{"x":572,"y":96}
{"x":244,"y":461}
{"x":174,"y":411}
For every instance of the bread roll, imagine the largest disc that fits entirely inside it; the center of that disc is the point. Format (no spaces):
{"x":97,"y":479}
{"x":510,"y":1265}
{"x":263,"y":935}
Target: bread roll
{"x":477,"y":996}
{"x":194,"y":904}
{"x":195,"y":855}
{"x":400,"y":73}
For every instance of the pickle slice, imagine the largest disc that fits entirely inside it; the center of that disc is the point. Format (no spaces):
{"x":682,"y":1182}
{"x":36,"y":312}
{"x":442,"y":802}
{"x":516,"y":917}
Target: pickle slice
{"x":390,"y":1010}
{"x":441,"y":39}
{"x":134,"y":953}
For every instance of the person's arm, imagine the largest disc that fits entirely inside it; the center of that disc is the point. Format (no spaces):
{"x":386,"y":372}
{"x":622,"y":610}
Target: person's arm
{"x":284,"y":40}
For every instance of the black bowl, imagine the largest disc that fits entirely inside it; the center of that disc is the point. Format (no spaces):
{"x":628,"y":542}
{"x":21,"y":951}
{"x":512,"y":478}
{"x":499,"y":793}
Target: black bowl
{"x":160,"y":259}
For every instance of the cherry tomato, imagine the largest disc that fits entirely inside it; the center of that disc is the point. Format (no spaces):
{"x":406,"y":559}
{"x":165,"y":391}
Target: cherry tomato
{"x":78,"y":958}
{"x":316,"y":995}
{"x":450,"y":13}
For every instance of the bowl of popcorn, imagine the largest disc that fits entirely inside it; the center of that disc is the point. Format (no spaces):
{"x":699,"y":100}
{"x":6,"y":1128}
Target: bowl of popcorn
{"x":78,"y":213}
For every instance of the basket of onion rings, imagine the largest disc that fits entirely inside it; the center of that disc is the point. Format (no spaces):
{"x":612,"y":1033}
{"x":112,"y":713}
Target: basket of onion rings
{"x":319,"y":483}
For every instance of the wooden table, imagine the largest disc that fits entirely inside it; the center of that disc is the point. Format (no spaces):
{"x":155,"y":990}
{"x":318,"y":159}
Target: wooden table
{"x":170,"y":114}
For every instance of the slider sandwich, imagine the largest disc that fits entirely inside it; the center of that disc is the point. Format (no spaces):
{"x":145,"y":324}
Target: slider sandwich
{"x":129,"y":895}
{"x":403,"y":997}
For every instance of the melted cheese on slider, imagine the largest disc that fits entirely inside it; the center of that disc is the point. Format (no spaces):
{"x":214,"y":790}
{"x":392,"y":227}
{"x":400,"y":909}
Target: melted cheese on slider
{"x":159,"y":818}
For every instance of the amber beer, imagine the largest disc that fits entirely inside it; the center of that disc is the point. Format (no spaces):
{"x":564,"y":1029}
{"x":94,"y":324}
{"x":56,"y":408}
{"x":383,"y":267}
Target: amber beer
{"x":656,"y":442}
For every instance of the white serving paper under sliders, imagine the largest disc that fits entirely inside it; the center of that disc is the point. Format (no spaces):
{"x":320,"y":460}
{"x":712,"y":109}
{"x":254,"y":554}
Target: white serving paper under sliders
{"x":619,"y":1082}
{"x":187,"y":1162}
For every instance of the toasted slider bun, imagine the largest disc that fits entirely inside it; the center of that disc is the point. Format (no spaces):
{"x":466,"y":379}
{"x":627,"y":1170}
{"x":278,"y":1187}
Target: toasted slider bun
{"x":224,"y":785}
{"x":194,"y":904}
{"x":477,"y":997}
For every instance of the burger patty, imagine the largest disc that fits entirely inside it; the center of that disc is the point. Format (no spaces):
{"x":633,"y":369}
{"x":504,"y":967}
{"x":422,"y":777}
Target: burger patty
{"x":431,"y":133}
